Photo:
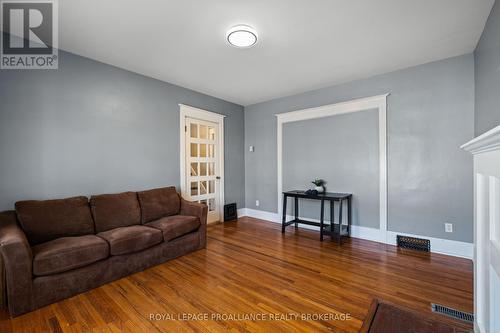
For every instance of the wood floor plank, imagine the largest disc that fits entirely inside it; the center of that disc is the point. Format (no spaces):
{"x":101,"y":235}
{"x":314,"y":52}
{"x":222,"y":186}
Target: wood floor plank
{"x":249,"y":269}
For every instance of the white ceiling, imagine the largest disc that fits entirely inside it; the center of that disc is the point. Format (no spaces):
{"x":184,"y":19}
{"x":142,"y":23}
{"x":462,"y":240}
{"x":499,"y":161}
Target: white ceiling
{"x":303,"y":44}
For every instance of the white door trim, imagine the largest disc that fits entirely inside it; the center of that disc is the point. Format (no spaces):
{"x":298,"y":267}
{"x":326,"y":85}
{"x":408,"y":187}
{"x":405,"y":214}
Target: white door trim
{"x":363,"y":104}
{"x":196,"y":113}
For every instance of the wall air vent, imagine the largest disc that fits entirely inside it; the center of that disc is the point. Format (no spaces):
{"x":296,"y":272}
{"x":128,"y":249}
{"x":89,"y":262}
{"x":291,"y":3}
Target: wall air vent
{"x":413,"y":243}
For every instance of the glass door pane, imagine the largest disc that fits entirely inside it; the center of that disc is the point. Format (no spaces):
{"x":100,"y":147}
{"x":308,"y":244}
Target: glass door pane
{"x":202,"y":165}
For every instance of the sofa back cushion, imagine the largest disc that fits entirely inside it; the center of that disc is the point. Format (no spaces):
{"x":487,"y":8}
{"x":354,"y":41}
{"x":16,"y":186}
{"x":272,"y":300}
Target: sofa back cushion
{"x":45,"y":220}
{"x":112,"y":211}
{"x":158,"y":203}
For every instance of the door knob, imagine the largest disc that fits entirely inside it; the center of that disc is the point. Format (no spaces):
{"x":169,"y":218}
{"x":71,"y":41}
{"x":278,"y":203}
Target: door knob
{"x":217,"y":177}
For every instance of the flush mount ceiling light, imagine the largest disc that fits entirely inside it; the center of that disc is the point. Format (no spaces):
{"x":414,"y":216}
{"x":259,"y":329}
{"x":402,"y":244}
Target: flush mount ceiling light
{"x":242,"y":36}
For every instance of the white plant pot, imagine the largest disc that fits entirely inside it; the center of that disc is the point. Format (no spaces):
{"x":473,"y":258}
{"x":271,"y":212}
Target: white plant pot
{"x":320,"y":189}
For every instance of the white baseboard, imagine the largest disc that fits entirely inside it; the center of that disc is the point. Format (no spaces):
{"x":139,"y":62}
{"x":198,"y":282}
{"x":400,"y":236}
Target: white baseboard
{"x":242,"y":212}
{"x":478,"y":328}
{"x":438,"y":245}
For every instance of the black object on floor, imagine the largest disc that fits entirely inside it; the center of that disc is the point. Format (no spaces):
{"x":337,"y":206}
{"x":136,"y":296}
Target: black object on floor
{"x":230,"y":212}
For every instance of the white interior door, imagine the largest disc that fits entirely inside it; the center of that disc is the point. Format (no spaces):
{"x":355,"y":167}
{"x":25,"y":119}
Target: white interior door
{"x":202,"y":167}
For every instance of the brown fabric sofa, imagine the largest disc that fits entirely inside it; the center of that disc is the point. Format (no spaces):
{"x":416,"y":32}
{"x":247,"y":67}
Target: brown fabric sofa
{"x":54,"y":249}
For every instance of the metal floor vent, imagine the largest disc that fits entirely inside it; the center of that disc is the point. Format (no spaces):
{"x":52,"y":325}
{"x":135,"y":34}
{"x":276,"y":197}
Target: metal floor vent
{"x":465,"y":316}
{"x":414,"y":243}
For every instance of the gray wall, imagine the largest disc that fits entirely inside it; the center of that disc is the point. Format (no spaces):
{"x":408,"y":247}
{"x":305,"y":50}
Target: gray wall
{"x":91,"y":128}
{"x":343,"y":150}
{"x":487,"y":61}
{"x":430,"y":114}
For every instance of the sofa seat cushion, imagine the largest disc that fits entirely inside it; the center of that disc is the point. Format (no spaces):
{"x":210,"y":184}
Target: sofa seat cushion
{"x":158,"y":203}
{"x":131,"y":239}
{"x":175,"y":226}
{"x":67,"y":253}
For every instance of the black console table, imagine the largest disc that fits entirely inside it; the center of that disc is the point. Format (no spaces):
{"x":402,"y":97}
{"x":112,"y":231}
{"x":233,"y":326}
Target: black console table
{"x":336,"y":231}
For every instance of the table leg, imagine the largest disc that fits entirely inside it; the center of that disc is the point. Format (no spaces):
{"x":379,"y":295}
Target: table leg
{"x":339,"y":236}
{"x":349,"y":216}
{"x":332,"y":218}
{"x":284,"y":215}
{"x":321,"y":220}
{"x":296,"y":206}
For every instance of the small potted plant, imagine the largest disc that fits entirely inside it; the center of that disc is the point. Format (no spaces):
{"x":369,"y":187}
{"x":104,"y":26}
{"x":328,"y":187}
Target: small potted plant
{"x":320,"y":185}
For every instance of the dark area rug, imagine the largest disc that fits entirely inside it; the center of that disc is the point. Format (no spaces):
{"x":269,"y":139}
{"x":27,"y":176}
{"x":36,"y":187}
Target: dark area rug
{"x":384,"y":317}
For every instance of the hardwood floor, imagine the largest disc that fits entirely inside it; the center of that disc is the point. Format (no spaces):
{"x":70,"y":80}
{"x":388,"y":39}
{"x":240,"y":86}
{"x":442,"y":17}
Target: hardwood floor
{"x":250,"y":268}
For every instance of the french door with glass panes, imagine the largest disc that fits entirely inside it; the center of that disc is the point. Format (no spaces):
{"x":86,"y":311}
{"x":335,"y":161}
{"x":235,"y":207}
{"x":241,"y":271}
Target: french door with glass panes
{"x":202,"y":164}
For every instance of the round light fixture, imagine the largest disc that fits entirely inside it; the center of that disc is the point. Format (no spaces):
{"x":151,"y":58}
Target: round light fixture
{"x":242,"y":36}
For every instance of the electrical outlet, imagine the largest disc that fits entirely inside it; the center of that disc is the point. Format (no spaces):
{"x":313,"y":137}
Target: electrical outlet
{"x":257,"y":203}
{"x":251,"y":149}
{"x":448,"y":227}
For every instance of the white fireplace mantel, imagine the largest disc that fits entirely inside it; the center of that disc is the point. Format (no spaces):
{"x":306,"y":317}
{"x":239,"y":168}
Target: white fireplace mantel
{"x":486,"y":142}
{"x":486,"y":151}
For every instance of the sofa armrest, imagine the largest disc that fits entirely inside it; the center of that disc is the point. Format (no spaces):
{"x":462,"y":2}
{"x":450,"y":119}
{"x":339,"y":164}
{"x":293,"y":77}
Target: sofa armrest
{"x":18,"y":262}
{"x":201,"y":212}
